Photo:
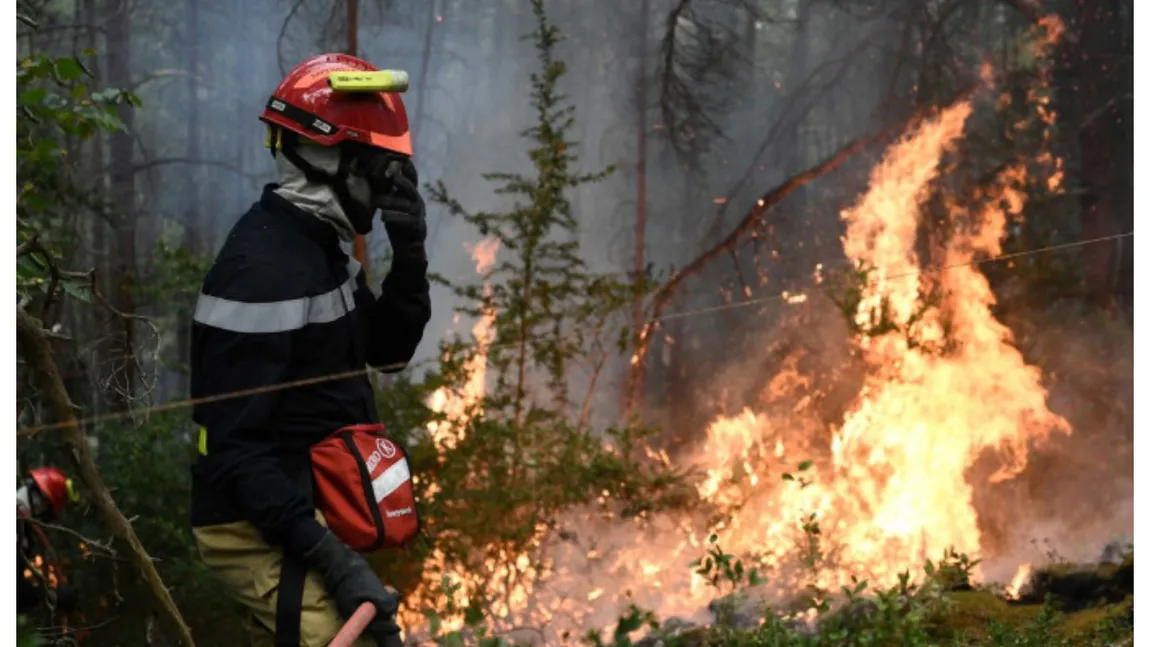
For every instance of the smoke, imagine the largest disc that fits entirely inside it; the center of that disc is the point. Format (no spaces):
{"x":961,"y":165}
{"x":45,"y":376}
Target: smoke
{"x":815,"y":77}
{"x":472,"y":105}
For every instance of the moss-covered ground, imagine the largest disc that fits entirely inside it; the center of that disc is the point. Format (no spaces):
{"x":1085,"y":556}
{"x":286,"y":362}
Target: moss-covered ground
{"x":1065,"y":605}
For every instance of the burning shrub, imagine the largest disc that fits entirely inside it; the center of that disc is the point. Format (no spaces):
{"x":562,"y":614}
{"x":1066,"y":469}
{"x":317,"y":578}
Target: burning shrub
{"x":508,"y":450}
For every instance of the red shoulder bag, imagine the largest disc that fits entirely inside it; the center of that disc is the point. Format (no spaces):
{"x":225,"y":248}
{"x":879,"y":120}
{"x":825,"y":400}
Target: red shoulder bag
{"x":363,"y":488}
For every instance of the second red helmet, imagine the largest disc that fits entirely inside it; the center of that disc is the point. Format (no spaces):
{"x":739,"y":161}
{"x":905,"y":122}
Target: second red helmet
{"x":55,"y":486}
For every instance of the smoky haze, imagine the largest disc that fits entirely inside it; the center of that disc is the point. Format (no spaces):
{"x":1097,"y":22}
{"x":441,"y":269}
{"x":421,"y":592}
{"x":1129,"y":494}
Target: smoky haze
{"x":733,"y":104}
{"x":473,"y":103}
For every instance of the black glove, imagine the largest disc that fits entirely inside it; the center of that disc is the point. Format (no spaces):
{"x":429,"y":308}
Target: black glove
{"x":402,"y":211}
{"x":351,"y":582}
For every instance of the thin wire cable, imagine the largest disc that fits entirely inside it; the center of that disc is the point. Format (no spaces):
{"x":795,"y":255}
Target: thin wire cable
{"x":190,"y":402}
{"x":937,"y":269}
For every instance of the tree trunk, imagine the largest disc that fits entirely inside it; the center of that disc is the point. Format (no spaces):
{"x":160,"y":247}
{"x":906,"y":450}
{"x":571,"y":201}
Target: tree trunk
{"x":634,"y":395}
{"x":353,"y":49}
{"x":97,"y":227}
{"x":122,"y":194}
{"x":193,"y":221}
{"x":1101,"y":138}
{"x":421,"y":90}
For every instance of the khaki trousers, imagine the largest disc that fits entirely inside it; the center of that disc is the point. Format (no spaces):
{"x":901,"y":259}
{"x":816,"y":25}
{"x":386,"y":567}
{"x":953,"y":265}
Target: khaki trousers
{"x":250,"y":568}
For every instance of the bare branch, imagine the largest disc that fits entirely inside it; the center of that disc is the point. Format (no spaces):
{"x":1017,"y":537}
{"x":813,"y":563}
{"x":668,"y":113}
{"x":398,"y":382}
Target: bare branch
{"x":752,"y":219}
{"x":106,"y":547}
{"x":699,"y":56}
{"x":156,"y":76}
{"x":283,"y":33}
{"x":29,"y":246}
{"x":60,"y":631}
{"x":794,"y":107}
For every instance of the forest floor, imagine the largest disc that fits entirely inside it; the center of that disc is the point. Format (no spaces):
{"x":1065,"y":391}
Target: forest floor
{"x":1061,"y":605}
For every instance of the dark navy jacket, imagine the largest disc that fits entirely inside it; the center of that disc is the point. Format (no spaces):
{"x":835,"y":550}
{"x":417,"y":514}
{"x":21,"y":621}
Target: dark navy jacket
{"x":283,"y":303}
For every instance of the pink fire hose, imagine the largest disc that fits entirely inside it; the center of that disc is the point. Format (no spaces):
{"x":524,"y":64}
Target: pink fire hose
{"x":355,"y":626}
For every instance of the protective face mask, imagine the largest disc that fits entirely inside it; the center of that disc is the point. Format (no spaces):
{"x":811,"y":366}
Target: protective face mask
{"x":317,"y":198}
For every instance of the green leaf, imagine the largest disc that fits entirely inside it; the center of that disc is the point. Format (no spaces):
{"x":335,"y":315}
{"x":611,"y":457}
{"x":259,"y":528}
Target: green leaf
{"x":629,"y":623}
{"x":69,"y":69}
{"x":433,"y":622}
{"x":473,"y":615}
{"x":805,"y":465}
{"x":26,"y":635}
{"x":35,"y":95}
{"x":77,"y":290}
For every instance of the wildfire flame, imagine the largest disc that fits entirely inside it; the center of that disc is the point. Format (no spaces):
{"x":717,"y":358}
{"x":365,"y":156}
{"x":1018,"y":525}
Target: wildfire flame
{"x":1019,"y":582}
{"x":455,"y":407}
{"x":891,"y":485}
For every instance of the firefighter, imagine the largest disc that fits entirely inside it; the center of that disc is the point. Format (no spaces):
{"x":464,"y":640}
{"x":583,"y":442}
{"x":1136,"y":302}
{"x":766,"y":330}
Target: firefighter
{"x":41,"y":496}
{"x":284,"y":303}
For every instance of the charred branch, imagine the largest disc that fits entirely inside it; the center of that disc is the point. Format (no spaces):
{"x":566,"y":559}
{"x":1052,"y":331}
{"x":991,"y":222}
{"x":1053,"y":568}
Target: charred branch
{"x":799,"y":102}
{"x":752,"y":220}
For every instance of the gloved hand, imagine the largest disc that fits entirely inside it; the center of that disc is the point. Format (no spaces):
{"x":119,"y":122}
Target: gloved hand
{"x":402,"y":210}
{"x":351,"y":582}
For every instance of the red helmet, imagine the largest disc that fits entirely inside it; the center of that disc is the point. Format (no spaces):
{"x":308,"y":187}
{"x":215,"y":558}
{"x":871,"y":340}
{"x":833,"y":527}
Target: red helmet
{"x":55,"y":486}
{"x":305,"y":103}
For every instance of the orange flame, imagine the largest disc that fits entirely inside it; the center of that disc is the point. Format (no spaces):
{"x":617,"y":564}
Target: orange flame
{"x":889,"y":487}
{"x":456,"y":407}
{"x":892,"y":489}
{"x":1018,"y":582}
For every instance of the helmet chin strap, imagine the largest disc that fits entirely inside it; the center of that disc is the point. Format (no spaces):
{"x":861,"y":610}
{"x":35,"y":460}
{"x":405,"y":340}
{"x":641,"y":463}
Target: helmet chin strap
{"x":359,"y":215}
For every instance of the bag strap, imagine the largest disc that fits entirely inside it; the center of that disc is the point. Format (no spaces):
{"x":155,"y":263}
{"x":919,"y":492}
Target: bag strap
{"x":293,"y":573}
